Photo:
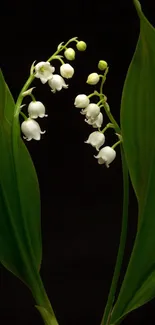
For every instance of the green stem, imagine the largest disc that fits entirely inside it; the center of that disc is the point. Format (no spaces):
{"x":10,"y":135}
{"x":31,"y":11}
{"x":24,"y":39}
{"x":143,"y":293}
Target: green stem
{"x":34,"y":280}
{"x":29,"y":263}
{"x":35,"y":283}
{"x":100,"y":101}
{"x":95,"y":93}
{"x":20,"y":97}
{"x":62,"y":48}
{"x":56,"y":57}
{"x":26,"y":86}
{"x":109,"y":125}
{"x":31,"y":77}
{"x":103,"y":78}
{"x":24,"y":116}
{"x":116,"y":144}
{"x":110,"y":116}
{"x":33,"y":98}
{"x":55,"y":54}
{"x":42,"y":301}
{"x":109,"y":305}
{"x":73,"y":39}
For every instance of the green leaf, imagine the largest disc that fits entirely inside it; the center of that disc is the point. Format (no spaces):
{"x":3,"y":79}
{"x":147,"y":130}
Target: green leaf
{"x":48,"y":318}
{"x":20,"y":231}
{"x":138,"y":131}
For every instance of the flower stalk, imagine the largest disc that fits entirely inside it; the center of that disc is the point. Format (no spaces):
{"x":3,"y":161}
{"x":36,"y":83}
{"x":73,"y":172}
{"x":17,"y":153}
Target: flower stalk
{"x":31,"y":129}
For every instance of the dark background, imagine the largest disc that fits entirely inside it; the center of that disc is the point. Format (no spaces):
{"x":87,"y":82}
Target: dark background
{"x":81,"y":201}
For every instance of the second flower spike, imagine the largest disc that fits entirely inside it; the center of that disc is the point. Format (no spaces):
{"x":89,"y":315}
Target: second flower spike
{"x":36,"y":109}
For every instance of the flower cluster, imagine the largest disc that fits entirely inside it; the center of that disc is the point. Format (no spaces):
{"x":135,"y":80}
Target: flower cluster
{"x":94,"y":117}
{"x":45,"y":71}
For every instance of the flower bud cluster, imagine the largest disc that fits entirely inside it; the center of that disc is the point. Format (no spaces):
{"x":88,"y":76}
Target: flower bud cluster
{"x":94,"y":116}
{"x":45,"y":71}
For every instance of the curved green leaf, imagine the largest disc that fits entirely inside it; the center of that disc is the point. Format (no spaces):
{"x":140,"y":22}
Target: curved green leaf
{"x":20,"y":231}
{"x":48,"y":318}
{"x":138,"y":131}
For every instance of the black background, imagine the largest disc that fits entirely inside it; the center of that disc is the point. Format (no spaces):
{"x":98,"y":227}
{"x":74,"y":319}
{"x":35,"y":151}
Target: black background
{"x":81,"y":201}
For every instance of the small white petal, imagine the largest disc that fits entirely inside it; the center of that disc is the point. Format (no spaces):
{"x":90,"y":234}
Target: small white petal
{"x":97,"y":122}
{"x":43,"y":115}
{"x":43,"y":80}
{"x":101,"y":161}
{"x":27,"y":139}
{"x":83,"y":111}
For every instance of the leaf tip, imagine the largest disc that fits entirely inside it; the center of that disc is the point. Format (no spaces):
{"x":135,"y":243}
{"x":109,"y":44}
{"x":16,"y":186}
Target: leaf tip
{"x":137,"y":5}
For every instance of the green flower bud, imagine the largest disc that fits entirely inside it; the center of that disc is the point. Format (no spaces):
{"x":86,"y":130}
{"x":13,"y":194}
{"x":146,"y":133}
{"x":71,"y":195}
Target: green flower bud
{"x":81,"y":46}
{"x":69,"y":54}
{"x":102,"y":65}
{"x":93,"y":78}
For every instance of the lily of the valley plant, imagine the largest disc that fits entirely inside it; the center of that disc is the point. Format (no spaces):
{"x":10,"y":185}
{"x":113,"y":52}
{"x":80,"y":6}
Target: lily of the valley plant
{"x":20,"y":230}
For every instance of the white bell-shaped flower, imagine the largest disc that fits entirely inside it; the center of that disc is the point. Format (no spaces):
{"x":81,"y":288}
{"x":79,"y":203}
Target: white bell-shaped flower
{"x":66,"y":70}
{"x":81,"y":101}
{"x":69,"y":54}
{"x":44,"y":71}
{"x":106,"y":155}
{"x":91,"y":111}
{"x":31,"y":130}
{"x":36,"y":109}
{"x":96,"y":139}
{"x":57,"y":83}
{"x":97,"y":122}
{"x":93,"y":78}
